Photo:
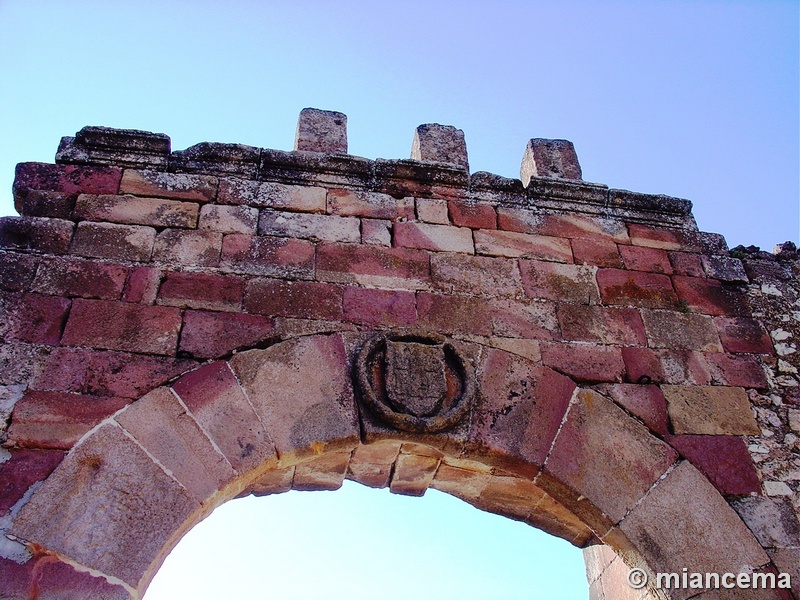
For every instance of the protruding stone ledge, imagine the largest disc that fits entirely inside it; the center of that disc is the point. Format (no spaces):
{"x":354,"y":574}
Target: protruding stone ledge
{"x":321,"y":131}
{"x":118,"y":147}
{"x":213,"y":157}
{"x":313,"y":168}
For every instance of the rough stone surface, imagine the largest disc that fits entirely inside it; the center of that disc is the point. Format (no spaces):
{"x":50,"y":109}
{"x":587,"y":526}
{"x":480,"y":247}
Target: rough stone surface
{"x":440,"y":143}
{"x":709,"y":410}
{"x":549,"y":158}
{"x":321,"y":131}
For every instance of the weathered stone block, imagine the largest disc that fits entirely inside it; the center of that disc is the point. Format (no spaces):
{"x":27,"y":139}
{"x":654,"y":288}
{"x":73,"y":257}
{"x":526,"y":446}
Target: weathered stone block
{"x":529,"y":320}
{"x":586,"y":363}
{"x":477,"y":275}
{"x":217,"y":158}
{"x":773,"y":521}
{"x":582,"y":322}
{"x":708,"y":538}
{"x":440,"y":238}
{"x":276,"y":481}
{"x":738,"y":371}
{"x":106,"y":373}
{"x":23,"y":469}
{"x":313,"y":372}
{"x":612,"y":477}
{"x":135,"y":210}
{"x":228,"y":219}
{"x":710,"y":297}
{"x":512,"y":244}
{"x":142,"y":285}
{"x":272,"y":195}
{"x":219,"y":405}
{"x":299,"y":299}
{"x":724,"y":268}
{"x":662,"y":237}
{"x":116,"y":242}
{"x":377,"y":232}
{"x":373,"y":265}
{"x":637,"y":258}
{"x":432,"y":210}
{"x":326,"y":472}
{"x":709,"y":410}
{"x":202,"y":290}
{"x":646,"y":402}
{"x":95,"y":505}
{"x":454,"y":314}
{"x":21,"y":362}
{"x":564,"y":283}
{"x":359,"y":203}
{"x":40,"y":203}
{"x":176,"y":186}
{"x":58,"y":419}
{"x":636,"y":288}
{"x":440,"y":143}
{"x":17,"y":270}
{"x":213,"y":334}
{"x":562,"y":226}
{"x":671,"y":329}
{"x":32,"y":318}
{"x":268,"y":255}
{"x":122,"y":326}
{"x":67,"y":179}
{"x":321,"y":131}
{"x":686,"y":263}
{"x":188,"y":248}
{"x":473,"y":214}
{"x":600,"y":253}
{"x":412,"y":475}
{"x":368,"y":306}
{"x":723,"y":459}
{"x":50,"y":236}
{"x":84,"y":278}
{"x":549,"y":158}
{"x":372,"y":464}
{"x":665,"y":366}
{"x":742,"y":334}
{"x":330,"y":228}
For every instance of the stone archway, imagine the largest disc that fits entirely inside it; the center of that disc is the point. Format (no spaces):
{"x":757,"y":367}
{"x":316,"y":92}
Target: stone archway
{"x":285,"y":418}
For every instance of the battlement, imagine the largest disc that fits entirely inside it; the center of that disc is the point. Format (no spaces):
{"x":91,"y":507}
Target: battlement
{"x":550,"y":174}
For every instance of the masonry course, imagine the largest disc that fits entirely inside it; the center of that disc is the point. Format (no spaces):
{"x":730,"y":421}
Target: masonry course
{"x":192,"y":317}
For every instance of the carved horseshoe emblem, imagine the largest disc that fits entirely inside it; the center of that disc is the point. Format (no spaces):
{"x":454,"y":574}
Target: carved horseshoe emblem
{"x":416,"y":382}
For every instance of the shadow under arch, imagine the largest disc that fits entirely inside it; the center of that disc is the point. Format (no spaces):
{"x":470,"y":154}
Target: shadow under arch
{"x":535,"y":447}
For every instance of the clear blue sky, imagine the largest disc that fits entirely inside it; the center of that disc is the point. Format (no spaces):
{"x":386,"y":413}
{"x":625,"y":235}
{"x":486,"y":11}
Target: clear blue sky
{"x":695,"y":99}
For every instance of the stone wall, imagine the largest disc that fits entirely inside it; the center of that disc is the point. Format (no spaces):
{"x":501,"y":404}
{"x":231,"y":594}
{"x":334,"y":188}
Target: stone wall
{"x":593,"y":364}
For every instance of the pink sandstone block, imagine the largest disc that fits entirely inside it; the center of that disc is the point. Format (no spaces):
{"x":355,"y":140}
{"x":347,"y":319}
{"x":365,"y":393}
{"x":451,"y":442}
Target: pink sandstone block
{"x":512,"y":244}
{"x":563,"y":283}
{"x":368,"y":306}
{"x":352,"y":263}
{"x":160,"y":423}
{"x":297,"y":299}
{"x":472,"y":214}
{"x":377,"y":232}
{"x":742,"y":334}
{"x":40,"y":203}
{"x":96,"y":503}
{"x":219,"y":405}
{"x":518,"y":412}
{"x":23,"y":469}
{"x":562,"y":226}
{"x":67,"y":276}
{"x":188,"y":248}
{"x":122,"y":326}
{"x":32,"y":318}
{"x":373,"y":205}
{"x":475,"y":275}
{"x":613,"y":477}
{"x":665,"y":366}
{"x":652,"y":260}
{"x":412,"y":475}
{"x":302,"y":392}
{"x":202,"y":290}
{"x":104,"y":373}
{"x":440,"y":238}
{"x":646,"y":402}
{"x":600,"y":253}
{"x":454,"y":314}
{"x":677,"y":330}
{"x":331,"y":228}
{"x":58,"y":419}
{"x":213,"y":334}
{"x":135,"y":210}
{"x":432,"y":210}
{"x":710,"y":297}
{"x":175,"y":186}
{"x":526,"y":320}
{"x":142,"y":285}
{"x":588,"y":363}
{"x":69,"y":179}
{"x":116,"y":242}
{"x":268,"y":255}
{"x":46,"y":578}
{"x":686,"y":263}
{"x":738,"y":371}
{"x":723,"y":459}
{"x":663,"y":238}
{"x":17,"y":271}
{"x":272,"y":195}
{"x":49,"y":236}
{"x":636,"y":288}
{"x":228,"y":219}
{"x":585,"y":323}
